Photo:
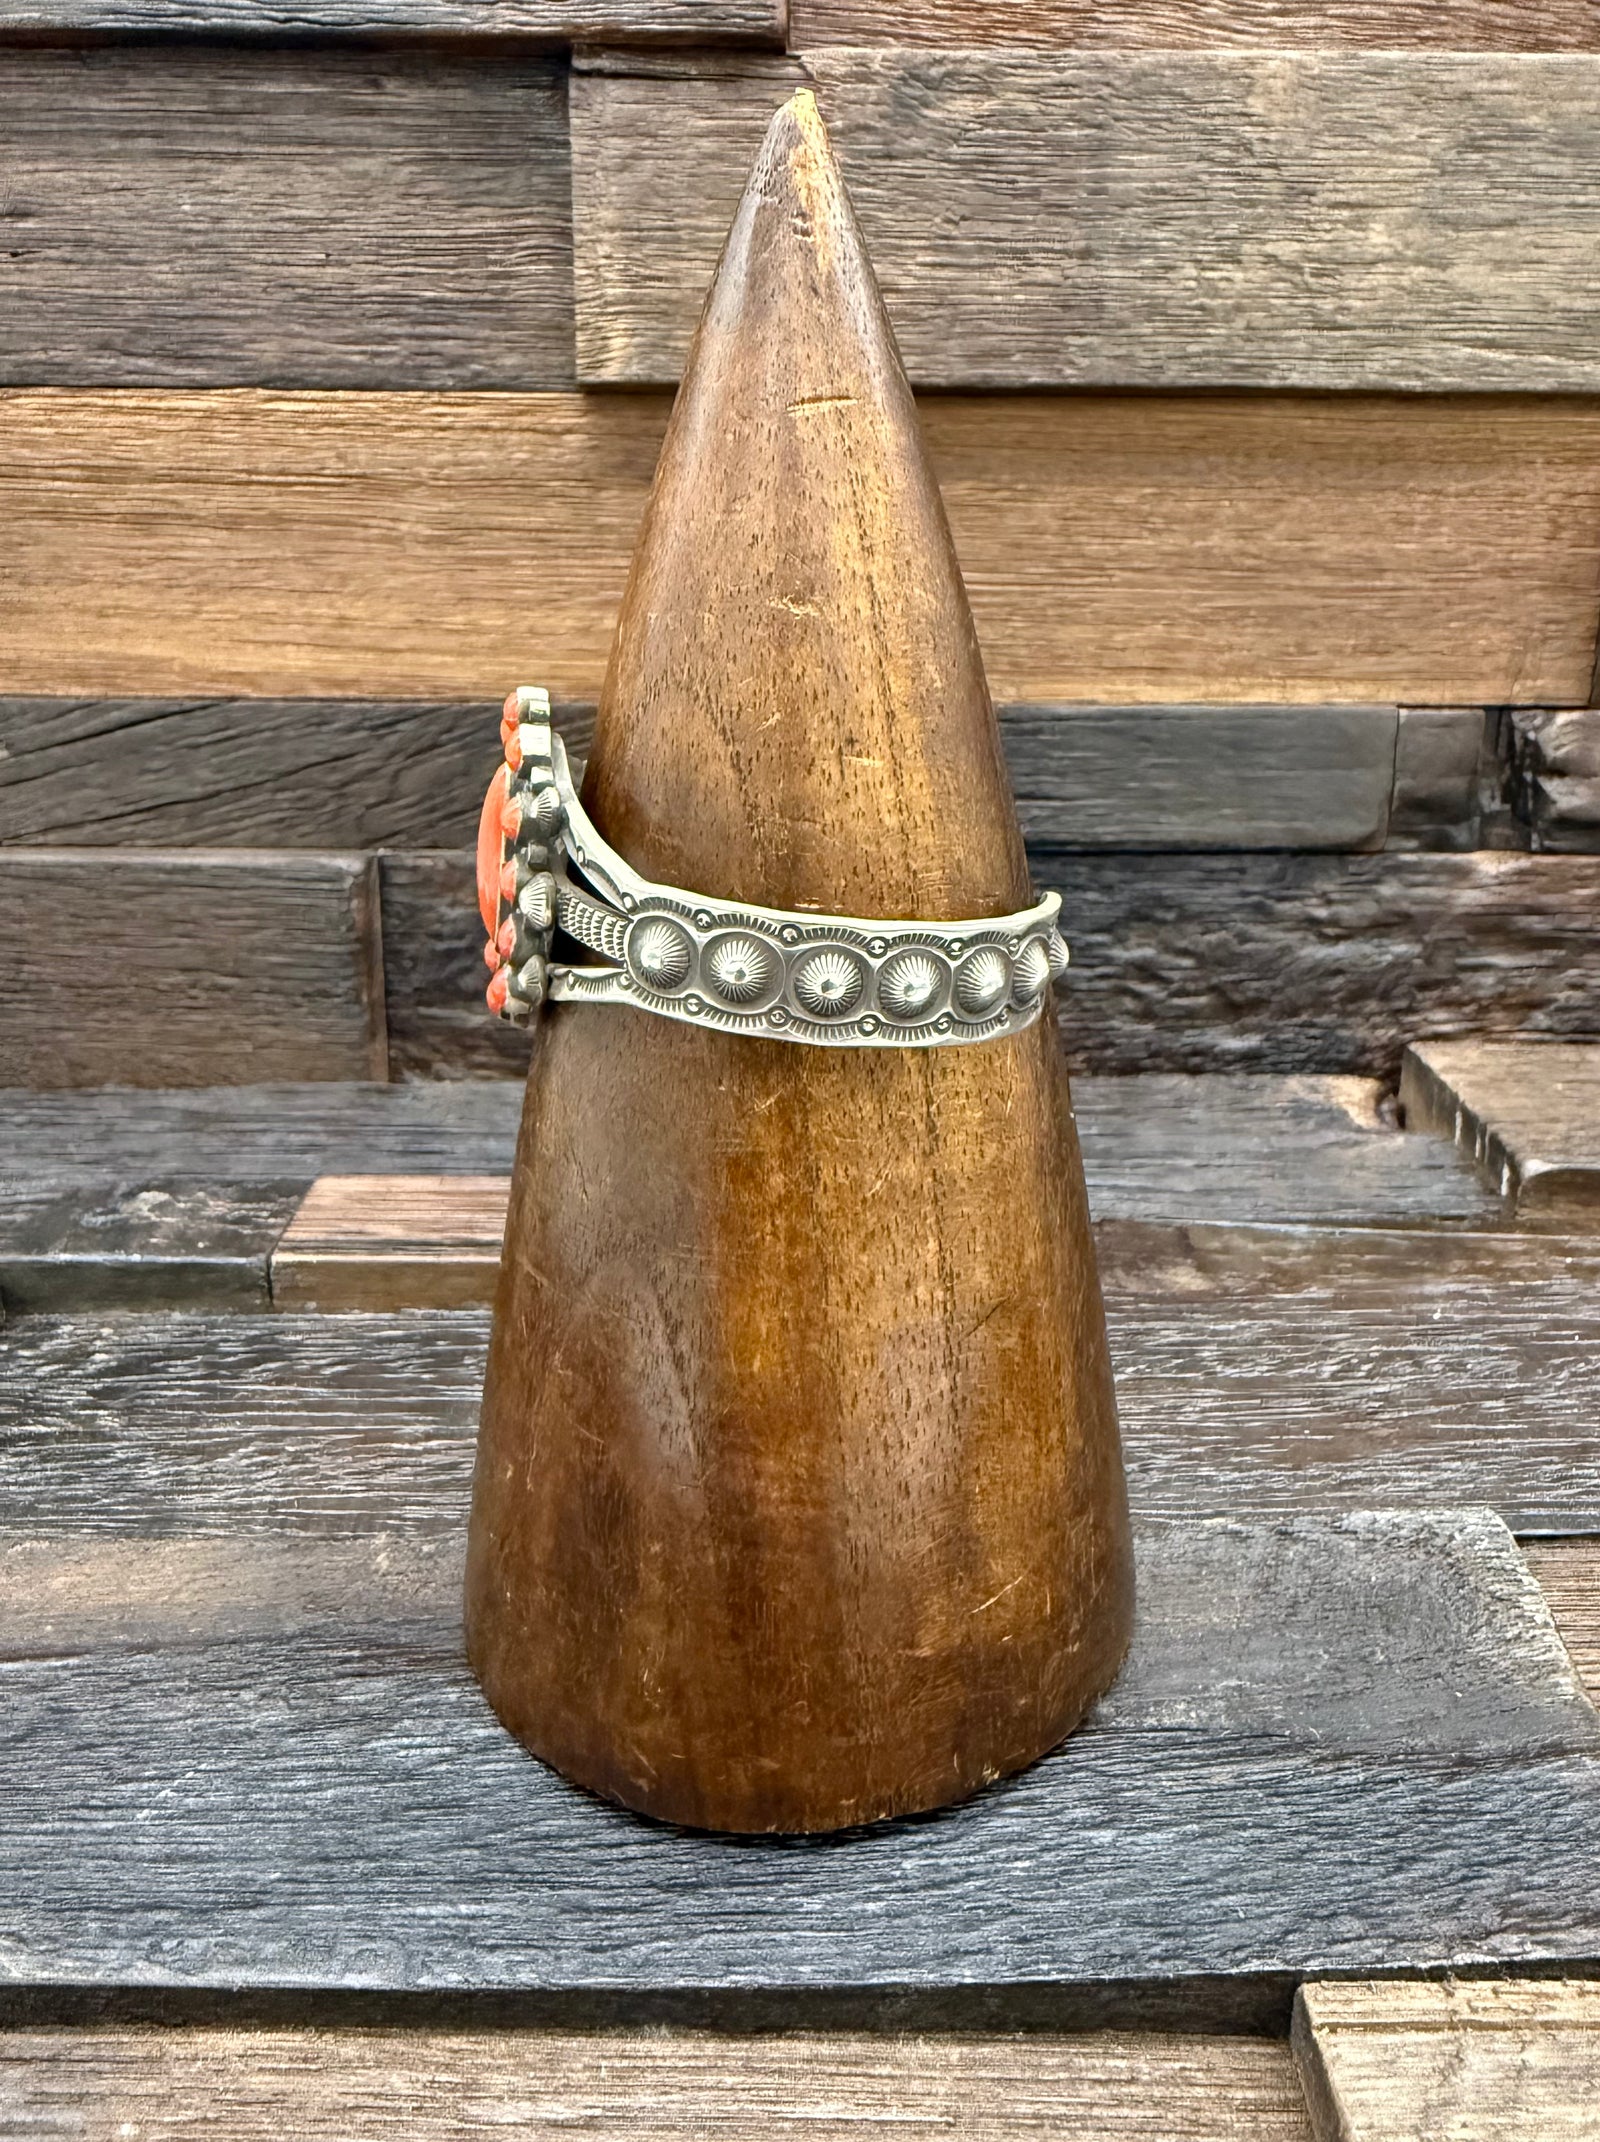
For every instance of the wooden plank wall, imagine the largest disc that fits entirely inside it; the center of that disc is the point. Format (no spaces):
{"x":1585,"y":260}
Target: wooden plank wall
{"x":320,"y":346}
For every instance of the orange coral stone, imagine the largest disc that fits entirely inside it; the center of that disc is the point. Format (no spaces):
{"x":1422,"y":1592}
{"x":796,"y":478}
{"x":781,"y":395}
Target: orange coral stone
{"x":490,"y":835}
{"x":495,"y":994}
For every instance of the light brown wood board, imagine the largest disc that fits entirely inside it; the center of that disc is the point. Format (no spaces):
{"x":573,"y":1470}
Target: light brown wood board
{"x":1120,"y":548}
{"x":1528,"y":1114}
{"x":1349,"y":220}
{"x":1494,"y":2060}
{"x":1126,"y":25}
{"x":1569,"y":1575}
{"x":255,"y":2085}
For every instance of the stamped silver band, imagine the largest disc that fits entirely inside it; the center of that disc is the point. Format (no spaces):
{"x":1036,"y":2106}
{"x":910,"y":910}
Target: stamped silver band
{"x":832,"y":980}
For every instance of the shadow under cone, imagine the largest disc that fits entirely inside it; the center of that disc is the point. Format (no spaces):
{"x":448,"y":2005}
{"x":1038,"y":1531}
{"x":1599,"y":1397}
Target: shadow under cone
{"x":799,"y":1500}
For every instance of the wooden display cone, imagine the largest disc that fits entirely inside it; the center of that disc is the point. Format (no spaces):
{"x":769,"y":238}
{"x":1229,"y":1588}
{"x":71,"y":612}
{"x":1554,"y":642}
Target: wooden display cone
{"x":799,"y":1500}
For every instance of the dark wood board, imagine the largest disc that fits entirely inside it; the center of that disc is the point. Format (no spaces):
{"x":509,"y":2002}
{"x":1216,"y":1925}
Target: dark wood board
{"x":1221,"y":549}
{"x":1319,"y":963}
{"x":144,"y":1245}
{"x":434,"y":974}
{"x":1496,"y":2060}
{"x":321,"y":773}
{"x":1126,"y":25}
{"x":673,"y":2085}
{"x":1448,"y":774}
{"x":1202,"y":777}
{"x":1202,"y":963}
{"x":1556,"y":771}
{"x":153,"y":968}
{"x":1528,"y":1113}
{"x":512,"y":22}
{"x":1234,"y":1147}
{"x":1267,"y":1403}
{"x":1368,"y":220}
{"x":262,"y":1766}
{"x":258,"y":1133}
{"x":201,"y":215}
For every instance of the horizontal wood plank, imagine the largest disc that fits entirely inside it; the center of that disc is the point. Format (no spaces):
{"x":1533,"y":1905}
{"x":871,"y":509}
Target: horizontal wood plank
{"x":142,"y":967}
{"x":1319,"y":963}
{"x":1556,"y":770}
{"x":1126,"y":25}
{"x":427,"y":2084}
{"x":1292,"y":963}
{"x":1369,"y":220}
{"x":285,"y":1774}
{"x":1230,"y":549}
{"x":144,"y":1244}
{"x":258,"y":1133}
{"x":1495,"y":2060}
{"x":331,"y":773}
{"x":205,"y":215}
{"x":392,"y":1242}
{"x":1420,"y":1395}
{"x":1527,"y":1112}
{"x":1569,"y":1576}
{"x":1448,"y":773}
{"x":1202,"y":777}
{"x":515,"y":22}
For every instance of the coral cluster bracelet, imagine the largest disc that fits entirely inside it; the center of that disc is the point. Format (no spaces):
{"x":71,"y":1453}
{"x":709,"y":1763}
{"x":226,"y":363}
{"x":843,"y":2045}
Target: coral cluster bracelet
{"x":829,"y":979}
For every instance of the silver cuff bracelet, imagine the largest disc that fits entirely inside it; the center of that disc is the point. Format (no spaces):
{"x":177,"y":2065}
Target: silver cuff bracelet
{"x":833,"y":980}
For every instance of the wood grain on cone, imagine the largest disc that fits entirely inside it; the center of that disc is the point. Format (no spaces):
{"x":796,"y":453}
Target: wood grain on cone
{"x":799,"y":1500}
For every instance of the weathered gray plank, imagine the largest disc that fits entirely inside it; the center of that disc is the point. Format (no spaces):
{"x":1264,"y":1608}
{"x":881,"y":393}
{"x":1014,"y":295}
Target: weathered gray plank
{"x":1527,"y":1112}
{"x":1348,"y":1398}
{"x":1202,"y":777}
{"x":1447,"y":777}
{"x":1492,"y":2060}
{"x":1319,"y":963}
{"x":1221,"y":1148}
{"x":314,"y":1793}
{"x":1452,"y":25}
{"x":191,"y":968}
{"x":411,"y":774}
{"x":427,"y":2085}
{"x":1151,"y":219}
{"x":209,"y":215}
{"x":1556,"y":771}
{"x":1170,"y":1162}
{"x":1233,"y":1147}
{"x":434,"y":974}
{"x":1268,"y":962}
{"x":146,"y":1245}
{"x":521,"y":22}
{"x":254,"y":1133}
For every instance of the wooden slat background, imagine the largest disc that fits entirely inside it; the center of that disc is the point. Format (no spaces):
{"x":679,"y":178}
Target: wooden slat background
{"x":213,"y":215}
{"x":1437,"y":550}
{"x":1124,"y":25}
{"x":1267,"y":219}
{"x":142,"y":968}
{"x":532,"y":22}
